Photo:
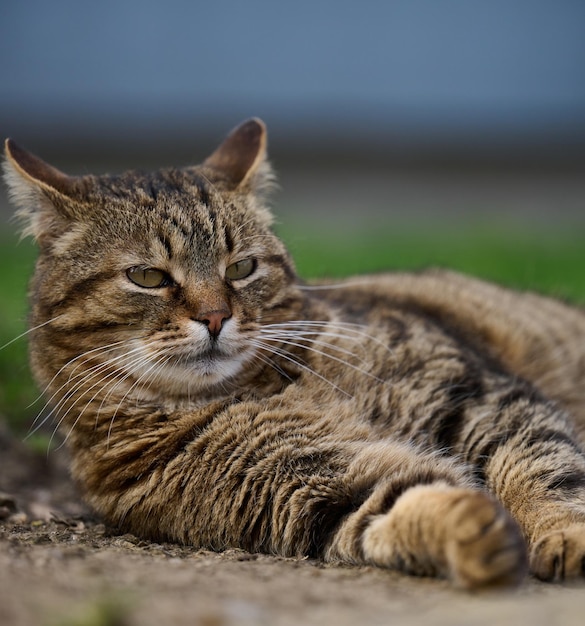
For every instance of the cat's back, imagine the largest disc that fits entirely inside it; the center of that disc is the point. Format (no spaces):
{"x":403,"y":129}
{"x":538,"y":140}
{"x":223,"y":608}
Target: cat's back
{"x":535,"y":337}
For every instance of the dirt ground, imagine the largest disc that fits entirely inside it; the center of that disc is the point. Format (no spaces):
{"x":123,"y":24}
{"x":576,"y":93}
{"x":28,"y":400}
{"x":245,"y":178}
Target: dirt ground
{"x":59,"y":566}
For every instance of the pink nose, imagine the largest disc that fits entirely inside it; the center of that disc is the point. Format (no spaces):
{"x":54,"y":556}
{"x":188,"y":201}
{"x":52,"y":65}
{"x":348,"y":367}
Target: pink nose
{"x":214,"y":320}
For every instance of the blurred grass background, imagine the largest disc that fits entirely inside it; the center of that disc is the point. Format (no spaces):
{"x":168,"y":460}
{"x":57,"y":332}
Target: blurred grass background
{"x":548,"y":260}
{"x":17,"y":389}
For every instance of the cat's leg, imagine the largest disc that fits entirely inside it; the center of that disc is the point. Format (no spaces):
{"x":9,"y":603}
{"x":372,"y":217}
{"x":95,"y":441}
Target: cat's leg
{"x":529,"y":457}
{"x":422,"y":520}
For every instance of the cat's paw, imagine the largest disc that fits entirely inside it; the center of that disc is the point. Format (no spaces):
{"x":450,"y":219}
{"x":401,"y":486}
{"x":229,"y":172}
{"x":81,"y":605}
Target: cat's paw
{"x":460,"y":534}
{"x":560,"y":555}
{"x":484,"y":545}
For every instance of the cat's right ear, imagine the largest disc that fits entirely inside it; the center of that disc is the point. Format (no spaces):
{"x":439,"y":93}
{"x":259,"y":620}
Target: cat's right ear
{"x":45,"y":197}
{"x":240,"y":162}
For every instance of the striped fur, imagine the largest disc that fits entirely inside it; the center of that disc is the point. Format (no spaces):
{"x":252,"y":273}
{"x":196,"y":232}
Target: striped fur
{"x":429,"y":422}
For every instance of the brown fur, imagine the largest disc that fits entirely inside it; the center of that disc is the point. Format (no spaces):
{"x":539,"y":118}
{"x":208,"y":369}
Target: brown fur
{"x":427,"y":422}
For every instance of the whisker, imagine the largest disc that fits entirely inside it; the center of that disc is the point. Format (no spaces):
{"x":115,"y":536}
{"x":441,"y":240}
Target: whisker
{"x":329,"y":356}
{"x":358,"y":330}
{"x":162,"y":360}
{"x":79,"y":356}
{"x":128,"y":366}
{"x":83,"y":377}
{"x":162,"y":357}
{"x":285,"y":355}
{"x":347,"y":330}
{"x":270,"y":363}
{"x":30,"y":330}
{"x":92,"y":373}
{"x":307,"y":336}
{"x":113,"y":381}
{"x":342,"y":285}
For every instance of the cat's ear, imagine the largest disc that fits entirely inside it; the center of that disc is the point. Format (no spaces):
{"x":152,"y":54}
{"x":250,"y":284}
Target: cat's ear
{"x":240,"y":161}
{"x":45,"y":197}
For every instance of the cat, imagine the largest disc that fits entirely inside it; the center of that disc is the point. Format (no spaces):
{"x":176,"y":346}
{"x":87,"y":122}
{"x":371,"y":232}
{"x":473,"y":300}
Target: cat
{"x":428,"y":423}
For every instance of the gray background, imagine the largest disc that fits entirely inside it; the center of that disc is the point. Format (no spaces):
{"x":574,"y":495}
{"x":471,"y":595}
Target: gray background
{"x":415,"y":107}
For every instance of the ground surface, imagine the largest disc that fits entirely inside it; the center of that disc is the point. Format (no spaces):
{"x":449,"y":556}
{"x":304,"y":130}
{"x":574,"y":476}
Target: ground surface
{"x":61,"y":566}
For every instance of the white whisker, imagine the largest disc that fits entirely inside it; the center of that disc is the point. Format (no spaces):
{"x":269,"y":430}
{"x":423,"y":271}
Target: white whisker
{"x":308,"y":337}
{"x":161,"y":361}
{"x":104,"y":349}
{"x":273,"y":365}
{"x":350,"y":283}
{"x":112,"y":378}
{"x":285,"y":355}
{"x":304,"y":331}
{"x":83,"y":377}
{"x":86,"y":375}
{"x":325,"y":354}
{"x":30,"y":330}
{"x":358,"y":330}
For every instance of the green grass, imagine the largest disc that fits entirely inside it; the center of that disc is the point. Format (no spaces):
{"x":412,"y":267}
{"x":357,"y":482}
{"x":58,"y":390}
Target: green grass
{"x":17,"y":389}
{"x":551,"y":262}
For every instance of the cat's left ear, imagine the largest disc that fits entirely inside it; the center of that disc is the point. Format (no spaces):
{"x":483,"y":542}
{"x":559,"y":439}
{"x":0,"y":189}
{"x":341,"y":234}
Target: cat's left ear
{"x":240,"y":161}
{"x":47,"y":198}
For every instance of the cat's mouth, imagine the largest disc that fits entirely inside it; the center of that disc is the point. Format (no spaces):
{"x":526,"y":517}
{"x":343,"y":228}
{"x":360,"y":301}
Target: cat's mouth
{"x":210,"y":366}
{"x":192,"y":370}
{"x":204,"y":360}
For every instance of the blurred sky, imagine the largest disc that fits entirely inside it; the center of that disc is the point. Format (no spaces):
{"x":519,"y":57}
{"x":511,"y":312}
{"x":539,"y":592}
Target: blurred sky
{"x":413,"y":68}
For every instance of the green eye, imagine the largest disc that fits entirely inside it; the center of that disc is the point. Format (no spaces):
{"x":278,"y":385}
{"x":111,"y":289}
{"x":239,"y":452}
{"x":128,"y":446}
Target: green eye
{"x":241,"y":269}
{"x":148,"y":277}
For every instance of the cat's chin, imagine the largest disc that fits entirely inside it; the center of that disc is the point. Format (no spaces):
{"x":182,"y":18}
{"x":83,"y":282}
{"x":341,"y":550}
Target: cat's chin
{"x":201,"y":374}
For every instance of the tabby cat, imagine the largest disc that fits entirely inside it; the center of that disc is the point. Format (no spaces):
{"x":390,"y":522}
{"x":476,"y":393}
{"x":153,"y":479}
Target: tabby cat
{"x":428,"y":423}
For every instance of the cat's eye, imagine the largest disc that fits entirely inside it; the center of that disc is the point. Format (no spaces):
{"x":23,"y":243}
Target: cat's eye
{"x":240,"y":269}
{"x":148,"y":277}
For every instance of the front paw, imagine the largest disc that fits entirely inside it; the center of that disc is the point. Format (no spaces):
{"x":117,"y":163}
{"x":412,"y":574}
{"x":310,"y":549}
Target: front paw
{"x":560,"y":555}
{"x":457,"y":533}
{"x":484,"y":545}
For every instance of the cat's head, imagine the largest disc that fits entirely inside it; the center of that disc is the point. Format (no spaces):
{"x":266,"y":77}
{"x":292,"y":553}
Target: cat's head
{"x":155,"y":282}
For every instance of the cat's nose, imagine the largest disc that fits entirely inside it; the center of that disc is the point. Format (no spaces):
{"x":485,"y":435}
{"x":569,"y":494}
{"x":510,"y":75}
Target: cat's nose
{"x":214,"y":320}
